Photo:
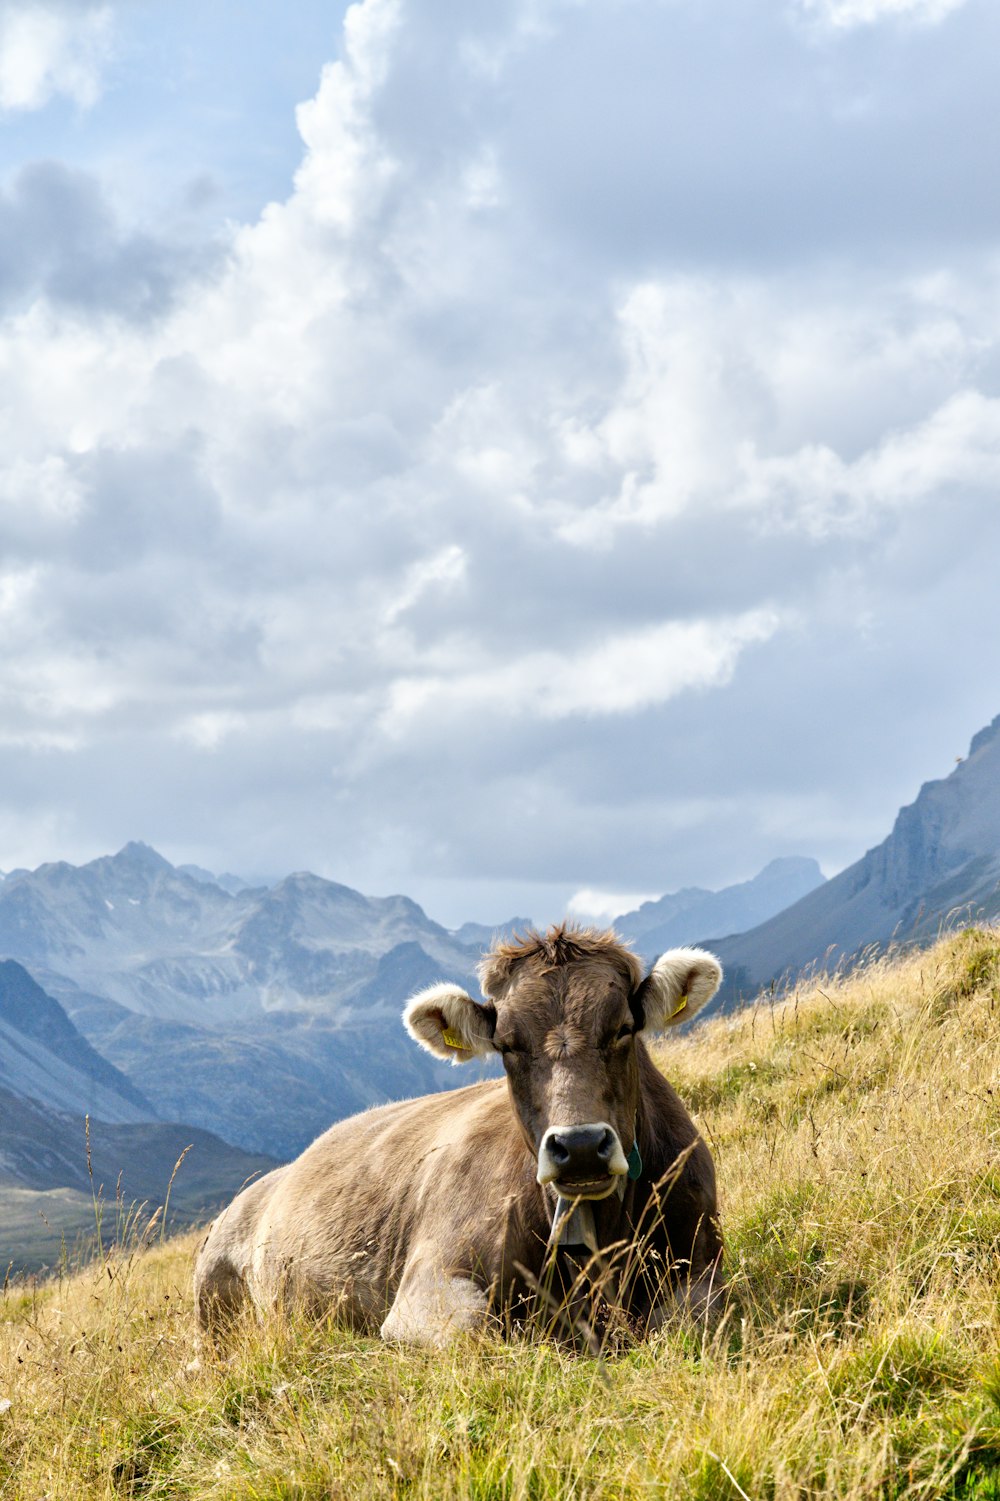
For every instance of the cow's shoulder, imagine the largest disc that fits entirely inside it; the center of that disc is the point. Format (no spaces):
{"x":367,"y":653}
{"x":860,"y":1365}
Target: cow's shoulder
{"x":668,"y":1129}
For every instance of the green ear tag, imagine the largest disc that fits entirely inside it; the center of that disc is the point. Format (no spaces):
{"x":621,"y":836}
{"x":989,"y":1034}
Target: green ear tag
{"x":634,"y":1162}
{"x":454,"y":1040}
{"x":679,"y":1007}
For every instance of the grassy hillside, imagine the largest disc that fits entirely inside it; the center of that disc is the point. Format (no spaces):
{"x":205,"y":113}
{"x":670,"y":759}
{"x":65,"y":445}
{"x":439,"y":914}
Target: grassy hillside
{"x":856,"y":1129}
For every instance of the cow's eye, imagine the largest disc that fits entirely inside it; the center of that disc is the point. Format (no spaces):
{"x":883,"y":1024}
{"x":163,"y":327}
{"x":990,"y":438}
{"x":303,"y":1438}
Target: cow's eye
{"x":507,"y":1050}
{"x":623,"y":1034}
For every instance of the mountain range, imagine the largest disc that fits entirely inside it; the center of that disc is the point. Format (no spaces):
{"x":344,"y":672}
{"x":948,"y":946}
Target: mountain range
{"x":259,"y":1013}
{"x":165,"y":943}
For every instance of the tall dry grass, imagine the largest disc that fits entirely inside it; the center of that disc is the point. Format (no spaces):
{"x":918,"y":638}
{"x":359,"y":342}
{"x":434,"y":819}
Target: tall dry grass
{"x":856,"y":1129}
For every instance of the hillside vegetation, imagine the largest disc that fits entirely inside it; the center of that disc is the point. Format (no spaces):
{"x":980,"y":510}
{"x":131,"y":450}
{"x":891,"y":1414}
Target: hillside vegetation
{"x":856,"y":1128}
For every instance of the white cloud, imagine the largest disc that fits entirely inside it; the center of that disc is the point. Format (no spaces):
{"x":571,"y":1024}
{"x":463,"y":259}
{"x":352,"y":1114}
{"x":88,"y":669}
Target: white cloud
{"x":209,"y":731}
{"x":809,"y":412}
{"x":16,"y":589}
{"x":846,"y":14}
{"x":603,"y":906}
{"x":630,"y":672}
{"x":482,"y":181}
{"x":443,"y":570}
{"x":957,"y":447}
{"x":47,"y":51}
{"x":484,"y":438}
{"x":345,"y":168}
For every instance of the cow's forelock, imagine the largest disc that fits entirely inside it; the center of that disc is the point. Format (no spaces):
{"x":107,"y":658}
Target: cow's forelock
{"x":551,"y":951}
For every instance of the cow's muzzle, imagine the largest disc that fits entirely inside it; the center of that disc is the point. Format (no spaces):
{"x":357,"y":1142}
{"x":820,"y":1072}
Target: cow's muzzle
{"x":582,"y":1162}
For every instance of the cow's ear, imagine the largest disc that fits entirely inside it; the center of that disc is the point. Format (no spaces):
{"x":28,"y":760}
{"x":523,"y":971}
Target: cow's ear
{"x":677,"y":987}
{"x":446,"y":1021}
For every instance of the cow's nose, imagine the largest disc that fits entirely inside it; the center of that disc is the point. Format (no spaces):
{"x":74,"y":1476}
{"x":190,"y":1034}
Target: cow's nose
{"x":574,"y":1154}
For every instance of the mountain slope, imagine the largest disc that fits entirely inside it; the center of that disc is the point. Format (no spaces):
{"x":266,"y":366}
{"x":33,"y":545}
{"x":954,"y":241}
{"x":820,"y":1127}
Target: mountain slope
{"x":941,"y":862}
{"x":678,"y":916}
{"x":43,"y":1057}
{"x":43,"y":1149}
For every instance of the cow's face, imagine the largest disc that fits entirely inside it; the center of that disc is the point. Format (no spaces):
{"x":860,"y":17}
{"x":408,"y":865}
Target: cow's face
{"x":563,"y":1012}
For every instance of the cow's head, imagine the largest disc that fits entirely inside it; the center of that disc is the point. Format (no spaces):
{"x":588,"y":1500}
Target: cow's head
{"x":564,"y":1010}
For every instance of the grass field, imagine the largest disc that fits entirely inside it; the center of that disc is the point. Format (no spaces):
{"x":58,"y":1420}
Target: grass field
{"x":856,"y":1129}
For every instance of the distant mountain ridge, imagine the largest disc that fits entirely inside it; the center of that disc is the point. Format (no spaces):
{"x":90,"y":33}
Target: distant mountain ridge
{"x":480,"y":935}
{"x":939,"y":864}
{"x":137,"y":931}
{"x":228,"y":882}
{"x":681,"y":915}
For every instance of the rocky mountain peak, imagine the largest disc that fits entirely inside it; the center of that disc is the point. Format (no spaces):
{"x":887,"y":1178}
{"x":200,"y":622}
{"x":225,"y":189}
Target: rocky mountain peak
{"x":136,"y":855}
{"x":790,"y":867}
{"x":951,"y":821}
{"x":988,"y":736}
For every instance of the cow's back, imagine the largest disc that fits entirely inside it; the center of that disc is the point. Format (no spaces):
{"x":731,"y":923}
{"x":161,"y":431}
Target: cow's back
{"x":332,"y":1230}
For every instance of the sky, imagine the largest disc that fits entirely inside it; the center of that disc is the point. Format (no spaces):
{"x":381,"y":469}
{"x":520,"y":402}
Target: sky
{"x":494,"y":453}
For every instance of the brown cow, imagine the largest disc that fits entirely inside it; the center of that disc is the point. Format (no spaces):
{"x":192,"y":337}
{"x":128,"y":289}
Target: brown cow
{"x":422,"y":1217}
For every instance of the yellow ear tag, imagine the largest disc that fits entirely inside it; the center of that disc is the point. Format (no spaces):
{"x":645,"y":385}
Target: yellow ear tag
{"x":453,"y":1040}
{"x":679,"y":1007}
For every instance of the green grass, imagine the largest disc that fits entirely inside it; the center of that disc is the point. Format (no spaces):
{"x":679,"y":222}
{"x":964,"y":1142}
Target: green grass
{"x":857,"y":1357}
